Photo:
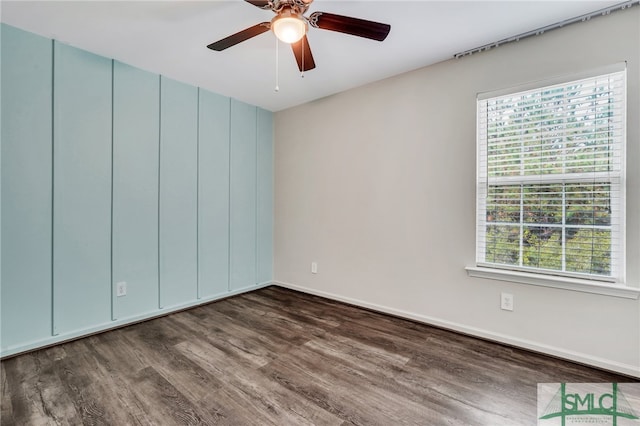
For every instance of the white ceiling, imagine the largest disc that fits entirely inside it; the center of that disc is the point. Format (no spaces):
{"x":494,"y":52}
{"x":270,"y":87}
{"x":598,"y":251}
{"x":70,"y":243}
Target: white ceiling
{"x":170,"y":38}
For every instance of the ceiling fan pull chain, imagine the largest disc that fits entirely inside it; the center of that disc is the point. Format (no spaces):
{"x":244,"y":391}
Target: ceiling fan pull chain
{"x":302,"y":71}
{"x":277,"y":67}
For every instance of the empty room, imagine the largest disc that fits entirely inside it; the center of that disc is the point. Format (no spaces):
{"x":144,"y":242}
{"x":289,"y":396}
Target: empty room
{"x":320,"y":212}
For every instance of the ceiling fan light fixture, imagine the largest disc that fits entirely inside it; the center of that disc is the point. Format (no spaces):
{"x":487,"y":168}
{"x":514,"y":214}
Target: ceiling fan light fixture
{"x":289,"y":27}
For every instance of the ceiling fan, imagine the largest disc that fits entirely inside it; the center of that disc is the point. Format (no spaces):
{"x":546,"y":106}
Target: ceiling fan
{"x":291,"y":26}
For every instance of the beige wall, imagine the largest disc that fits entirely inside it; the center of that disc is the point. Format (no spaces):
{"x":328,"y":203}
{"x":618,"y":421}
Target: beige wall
{"x":377,"y":185}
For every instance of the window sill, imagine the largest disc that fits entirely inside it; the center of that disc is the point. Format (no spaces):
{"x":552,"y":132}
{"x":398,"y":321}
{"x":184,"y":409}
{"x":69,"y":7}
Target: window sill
{"x":565,"y":283}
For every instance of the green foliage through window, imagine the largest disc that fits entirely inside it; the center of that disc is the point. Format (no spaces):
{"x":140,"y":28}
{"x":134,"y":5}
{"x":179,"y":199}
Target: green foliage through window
{"x":552,"y":222}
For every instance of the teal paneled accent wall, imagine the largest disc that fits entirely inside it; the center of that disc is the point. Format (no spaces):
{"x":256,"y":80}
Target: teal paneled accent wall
{"x":26,"y":187}
{"x":243,"y":196}
{"x":264,"y":206}
{"x":113,"y":174}
{"x":178,"y":192}
{"x":213,"y":194}
{"x":136,"y":135}
{"x":81,"y":190}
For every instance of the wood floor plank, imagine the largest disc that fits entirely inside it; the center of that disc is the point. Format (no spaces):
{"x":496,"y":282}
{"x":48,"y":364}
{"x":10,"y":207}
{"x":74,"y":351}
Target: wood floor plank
{"x":6,"y":408}
{"x":280,"y":357}
{"x":394,"y":398}
{"x":38,"y":396}
{"x":94,"y":394}
{"x":269,"y":320}
{"x":231,"y":340}
{"x":266,"y":398}
{"x":336,"y":394}
{"x":303,"y":312}
{"x":162,"y":402}
{"x":181,"y":372}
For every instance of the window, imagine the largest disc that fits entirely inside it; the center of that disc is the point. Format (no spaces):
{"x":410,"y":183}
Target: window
{"x":550,"y":182}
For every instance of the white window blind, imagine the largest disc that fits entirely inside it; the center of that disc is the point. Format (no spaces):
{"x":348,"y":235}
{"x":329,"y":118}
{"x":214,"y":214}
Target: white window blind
{"x":551,"y":179}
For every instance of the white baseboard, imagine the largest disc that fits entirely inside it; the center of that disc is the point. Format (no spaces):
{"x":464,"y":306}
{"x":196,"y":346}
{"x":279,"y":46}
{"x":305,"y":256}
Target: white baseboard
{"x":111,"y":325}
{"x":629,"y":370}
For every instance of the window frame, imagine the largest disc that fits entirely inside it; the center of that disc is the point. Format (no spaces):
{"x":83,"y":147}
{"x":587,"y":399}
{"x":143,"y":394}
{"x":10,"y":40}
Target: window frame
{"x":610,"y":285}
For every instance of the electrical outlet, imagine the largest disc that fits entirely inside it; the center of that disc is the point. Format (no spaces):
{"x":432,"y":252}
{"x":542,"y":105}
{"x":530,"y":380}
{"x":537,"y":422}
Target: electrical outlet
{"x":506,"y":301}
{"x":314,"y":267}
{"x":121,"y":289}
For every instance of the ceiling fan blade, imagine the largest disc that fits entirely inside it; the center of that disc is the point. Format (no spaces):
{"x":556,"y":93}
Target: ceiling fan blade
{"x":262,"y":4}
{"x":304,"y":57}
{"x":239,"y":37}
{"x":348,"y":25}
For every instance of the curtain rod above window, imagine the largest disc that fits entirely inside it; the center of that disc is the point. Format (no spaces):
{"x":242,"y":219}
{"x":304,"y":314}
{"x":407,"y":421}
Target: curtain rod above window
{"x":539,"y":31}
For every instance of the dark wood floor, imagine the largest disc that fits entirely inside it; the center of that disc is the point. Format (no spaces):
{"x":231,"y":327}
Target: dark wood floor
{"x":278,"y":357}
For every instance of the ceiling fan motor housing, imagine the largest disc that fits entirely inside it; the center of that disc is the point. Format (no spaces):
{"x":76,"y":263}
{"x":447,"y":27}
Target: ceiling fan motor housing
{"x":298,"y":6}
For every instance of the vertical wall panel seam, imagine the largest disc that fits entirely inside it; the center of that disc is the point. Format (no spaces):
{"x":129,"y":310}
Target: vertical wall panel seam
{"x":272,"y":195}
{"x":256,"y":196}
{"x":229,"y":254}
{"x":113,"y":316}
{"x":1,"y":31}
{"x":198,"y":296}
{"x":159,"y":191}
{"x":53,"y":88}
